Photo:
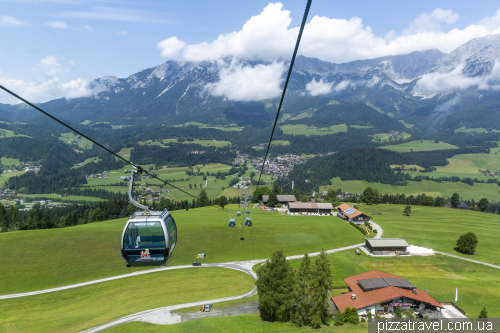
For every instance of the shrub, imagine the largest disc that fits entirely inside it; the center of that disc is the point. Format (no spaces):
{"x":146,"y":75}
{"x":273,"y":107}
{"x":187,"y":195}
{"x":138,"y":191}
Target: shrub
{"x":354,"y":319}
{"x":363,"y":320}
{"x":397,"y":312}
{"x":339,"y":318}
{"x":358,"y":227}
{"x":483,"y":313}
{"x":467,"y":243}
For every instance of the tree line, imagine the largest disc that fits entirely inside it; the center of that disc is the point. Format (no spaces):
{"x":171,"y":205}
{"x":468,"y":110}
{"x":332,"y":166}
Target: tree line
{"x":39,"y":217}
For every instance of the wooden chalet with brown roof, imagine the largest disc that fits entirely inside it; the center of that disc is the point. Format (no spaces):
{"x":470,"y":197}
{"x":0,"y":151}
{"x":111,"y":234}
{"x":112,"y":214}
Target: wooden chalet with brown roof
{"x":351,"y":214}
{"x":462,"y":206}
{"x":378,"y":292}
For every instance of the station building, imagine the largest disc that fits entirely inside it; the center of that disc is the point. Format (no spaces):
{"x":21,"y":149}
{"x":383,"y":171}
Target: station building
{"x":309,"y":208}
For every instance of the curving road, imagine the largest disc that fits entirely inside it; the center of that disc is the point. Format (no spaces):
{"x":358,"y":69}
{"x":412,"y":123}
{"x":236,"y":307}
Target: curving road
{"x":163,"y":315}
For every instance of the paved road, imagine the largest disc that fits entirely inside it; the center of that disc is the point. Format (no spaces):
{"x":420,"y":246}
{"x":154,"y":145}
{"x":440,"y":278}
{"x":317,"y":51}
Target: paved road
{"x":467,"y":259}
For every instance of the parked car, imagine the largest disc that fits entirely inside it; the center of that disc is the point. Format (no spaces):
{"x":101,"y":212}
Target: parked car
{"x":208,"y":307}
{"x":196,"y":263}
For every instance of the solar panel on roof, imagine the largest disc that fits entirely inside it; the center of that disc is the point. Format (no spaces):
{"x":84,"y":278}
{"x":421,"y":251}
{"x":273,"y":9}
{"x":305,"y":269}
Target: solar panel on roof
{"x":350,"y":211}
{"x":378,"y":283}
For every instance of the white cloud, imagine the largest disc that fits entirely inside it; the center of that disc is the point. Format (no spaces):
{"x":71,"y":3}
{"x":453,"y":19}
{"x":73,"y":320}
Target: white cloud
{"x":343,"y":85}
{"x":122,"y":33}
{"x":64,"y":25}
{"x":86,"y":27}
{"x":431,"y":21}
{"x":316,"y":88}
{"x":266,"y":36}
{"x":39,"y":92}
{"x":55,"y":65}
{"x":57,"y":24}
{"x":113,"y":14}
{"x":246,"y":83}
{"x":9,"y":21}
{"x":438,"y":82}
{"x":171,"y":47}
{"x":374,"y":80}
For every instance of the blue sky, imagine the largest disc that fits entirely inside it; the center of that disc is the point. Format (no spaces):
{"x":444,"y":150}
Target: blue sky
{"x":53,"y":48}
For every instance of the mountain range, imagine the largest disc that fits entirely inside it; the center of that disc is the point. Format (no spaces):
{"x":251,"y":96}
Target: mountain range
{"x":427,"y":89}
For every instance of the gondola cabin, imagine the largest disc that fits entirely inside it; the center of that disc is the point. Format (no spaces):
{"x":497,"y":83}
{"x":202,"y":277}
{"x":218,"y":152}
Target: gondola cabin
{"x":248,"y":211}
{"x":232,"y":222}
{"x":238,"y":214}
{"x":149,"y":238}
{"x":248,"y":221}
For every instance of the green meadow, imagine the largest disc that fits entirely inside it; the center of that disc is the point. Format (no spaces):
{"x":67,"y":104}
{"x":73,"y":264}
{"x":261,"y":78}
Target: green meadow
{"x":439,"y":228}
{"x":302,"y":129}
{"x":57,"y":257}
{"x":232,"y":127}
{"x":467,"y":165}
{"x":165,"y":142}
{"x":477,"y":285}
{"x":474,"y":130}
{"x":4,"y":133}
{"x":6,"y":176}
{"x":420,"y":145}
{"x":81,"y":308}
{"x":9,"y":161}
{"x":175,"y":175}
{"x":434,"y":189}
{"x":231,"y":324}
{"x":67,"y":137}
{"x":386,"y":137}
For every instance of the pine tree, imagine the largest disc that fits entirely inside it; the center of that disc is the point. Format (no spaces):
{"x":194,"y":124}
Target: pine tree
{"x":203,"y":199}
{"x":483,"y":313}
{"x":14,"y":217}
{"x":275,"y":287}
{"x":273,"y":200}
{"x":455,"y":200}
{"x":322,"y":282}
{"x":302,"y":296}
{"x":4,"y":220}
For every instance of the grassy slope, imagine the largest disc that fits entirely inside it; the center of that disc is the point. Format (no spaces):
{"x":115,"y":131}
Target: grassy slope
{"x":444,"y":189}
{"x":439,"y":228}
{"x":302,"y":129}
{"x":6,"y":176}
{"x":214,"y":186}
{"x":75,"y":310}
{"x":467,"y":165}
{"x":478,"y":286}
{"x":49,"y":258}
{"x":9,"y":161}
{"x":421,"y":145}
{"x":231,"y":324}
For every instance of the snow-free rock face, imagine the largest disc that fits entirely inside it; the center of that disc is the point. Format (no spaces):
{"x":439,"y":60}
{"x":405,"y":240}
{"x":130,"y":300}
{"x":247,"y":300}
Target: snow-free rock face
{"x":477,"y":55}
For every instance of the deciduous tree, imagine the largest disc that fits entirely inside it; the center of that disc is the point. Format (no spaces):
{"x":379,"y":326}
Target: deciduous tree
{"x":467,"y":243}
{"x":455,"y":200}
{"x":407,"y":210}
{"x":483,"y":204}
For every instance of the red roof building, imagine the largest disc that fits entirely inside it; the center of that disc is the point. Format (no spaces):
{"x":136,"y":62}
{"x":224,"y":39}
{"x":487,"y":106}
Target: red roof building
{"x":376,"y":291}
